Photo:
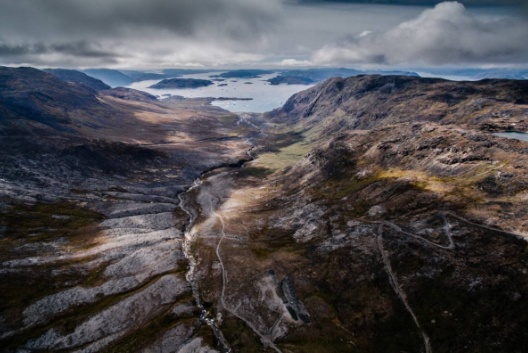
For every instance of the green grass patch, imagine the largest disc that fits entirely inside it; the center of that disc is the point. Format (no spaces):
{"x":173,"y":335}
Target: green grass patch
{"x":284,"y":157}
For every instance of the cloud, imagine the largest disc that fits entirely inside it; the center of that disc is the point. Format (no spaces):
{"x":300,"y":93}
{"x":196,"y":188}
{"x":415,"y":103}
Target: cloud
{"x":167,"y":33}
{"x":124,"y":31}
{"x":445,"y":35}
{"x":71,"y":53}
{"x":421,"y":2}
{"x":295,"y":62}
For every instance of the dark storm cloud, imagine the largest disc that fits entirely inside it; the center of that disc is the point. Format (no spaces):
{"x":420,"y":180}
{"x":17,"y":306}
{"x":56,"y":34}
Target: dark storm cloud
{"x":109,"y":16}
{"x":169,"y":33}
{"x":106,"y":28}
{"x":80,"y":49}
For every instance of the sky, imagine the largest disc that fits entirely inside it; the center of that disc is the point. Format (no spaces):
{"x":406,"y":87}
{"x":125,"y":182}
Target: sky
{"x":156,"y":34}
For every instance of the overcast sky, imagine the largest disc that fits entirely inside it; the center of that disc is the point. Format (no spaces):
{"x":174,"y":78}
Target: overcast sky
{"x":151,"y":34}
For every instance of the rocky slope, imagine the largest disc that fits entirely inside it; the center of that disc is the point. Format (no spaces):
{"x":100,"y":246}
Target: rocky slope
{"x":91,"y":232}
{"x":397,"y":221}
{"x":365,"y":102}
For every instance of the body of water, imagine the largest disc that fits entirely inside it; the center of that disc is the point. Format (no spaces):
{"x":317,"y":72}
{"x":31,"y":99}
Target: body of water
{"x":513,"y":135}
{"x":266,"y":97}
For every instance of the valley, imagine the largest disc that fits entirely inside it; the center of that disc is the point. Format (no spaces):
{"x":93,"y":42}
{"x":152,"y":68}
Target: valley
{"x":367,"y":214}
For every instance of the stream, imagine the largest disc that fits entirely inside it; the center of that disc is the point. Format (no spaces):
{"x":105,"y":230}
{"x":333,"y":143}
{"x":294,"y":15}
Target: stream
{"x":205,"y":316}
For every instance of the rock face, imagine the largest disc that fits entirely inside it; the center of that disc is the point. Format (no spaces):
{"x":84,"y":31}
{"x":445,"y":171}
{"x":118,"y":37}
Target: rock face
{"x":182,"y":83}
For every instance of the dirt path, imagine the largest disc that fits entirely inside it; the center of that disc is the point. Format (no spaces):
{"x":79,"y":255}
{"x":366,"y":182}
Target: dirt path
{"x":265,"y":339}
{"x":451,"y":246}
{"x":396,"y":286}
{"x":392,"y":276}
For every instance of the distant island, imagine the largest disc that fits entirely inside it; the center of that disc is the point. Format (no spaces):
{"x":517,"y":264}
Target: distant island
{"x":244,"y":74}
{"x":232,"y":99}
{"x":291,"y":80}
{"x":182,"y":83}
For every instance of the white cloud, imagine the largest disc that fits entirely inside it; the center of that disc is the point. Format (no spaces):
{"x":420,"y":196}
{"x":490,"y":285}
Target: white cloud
{"x":295,"y":62}
{"x":445,"y":35}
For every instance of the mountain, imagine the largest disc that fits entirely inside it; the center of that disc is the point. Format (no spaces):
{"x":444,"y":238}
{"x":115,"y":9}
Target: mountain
{"x":113,"y":78}
{"x":141,"y":75}
{"x":366,"y":102}
{"x":89,"y":185}
{"x":40,"y":97}
{"x":380,"y":215}
{"x":78,"y":77}
{"x":368,"y":214}
{"x":309,"y":76}
{"x":480,"y":74}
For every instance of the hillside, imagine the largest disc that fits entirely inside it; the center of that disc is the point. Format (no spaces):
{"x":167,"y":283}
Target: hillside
{"x":365,"y":102}
{"x":90,"y":224}
{"x":368,"y":214}
{"x":396,"y":220}
{"x":78,"y":77}
{"x":32,"y":95}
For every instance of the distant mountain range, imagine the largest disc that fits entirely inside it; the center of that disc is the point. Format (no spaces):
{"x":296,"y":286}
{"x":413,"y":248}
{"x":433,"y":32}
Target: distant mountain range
{"x":480,"y":74}
{"x":79,"y":77}
{"x":310,"y":76}
{"x":116,"y":78}
{"x":112,"y":78}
